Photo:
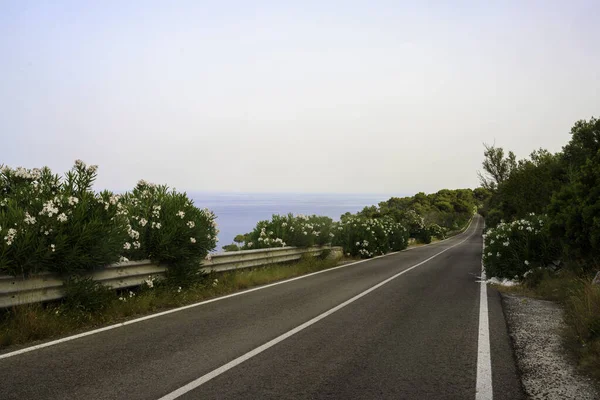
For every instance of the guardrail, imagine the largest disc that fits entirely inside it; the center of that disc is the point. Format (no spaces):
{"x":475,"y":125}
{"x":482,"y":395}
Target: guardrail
{"x":46,"y":286}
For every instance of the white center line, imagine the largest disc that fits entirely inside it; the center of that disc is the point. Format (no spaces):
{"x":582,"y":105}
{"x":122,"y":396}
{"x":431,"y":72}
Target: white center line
{"x":483,"y":388}
{"x":216,"y":372}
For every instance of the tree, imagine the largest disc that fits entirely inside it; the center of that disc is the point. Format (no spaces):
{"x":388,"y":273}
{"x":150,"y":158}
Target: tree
{"x":496,"y":167}
{"x":240,"y":239}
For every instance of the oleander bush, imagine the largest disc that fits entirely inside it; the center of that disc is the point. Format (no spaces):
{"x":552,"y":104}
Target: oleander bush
{"x":58,"y":225}
{"x":513,"y":250}
{"x":437,"y":231}
{"x":49,"y":223}
{"x":369,"y":237}
{"x":166,"y":227}
{"x":290,"y":230}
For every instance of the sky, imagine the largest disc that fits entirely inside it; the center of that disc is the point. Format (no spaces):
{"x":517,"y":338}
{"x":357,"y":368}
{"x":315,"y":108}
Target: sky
{"x":304,"y":96}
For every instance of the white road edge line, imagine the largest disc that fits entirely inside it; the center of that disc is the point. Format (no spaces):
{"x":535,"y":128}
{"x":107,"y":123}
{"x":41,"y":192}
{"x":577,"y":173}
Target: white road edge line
{"x":174,"y":310}
{"x":483,"y":387}
{"x":216,"y":372}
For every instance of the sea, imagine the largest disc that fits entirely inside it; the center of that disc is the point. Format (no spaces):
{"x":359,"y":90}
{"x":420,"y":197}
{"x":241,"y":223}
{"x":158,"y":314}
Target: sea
{"x":238,"y":213}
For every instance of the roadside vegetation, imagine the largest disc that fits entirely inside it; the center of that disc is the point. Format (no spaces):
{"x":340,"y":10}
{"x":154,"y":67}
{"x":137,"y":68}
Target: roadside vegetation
{"x":89,"y":305}
{"x":376,"y":230}
{"x":543,"y":230}
{"x":60,"y":225}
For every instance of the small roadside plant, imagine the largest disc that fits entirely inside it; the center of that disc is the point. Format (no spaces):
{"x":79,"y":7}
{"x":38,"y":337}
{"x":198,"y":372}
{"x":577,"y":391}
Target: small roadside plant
{"x":513,"y":249}
{"x":86,"y":296}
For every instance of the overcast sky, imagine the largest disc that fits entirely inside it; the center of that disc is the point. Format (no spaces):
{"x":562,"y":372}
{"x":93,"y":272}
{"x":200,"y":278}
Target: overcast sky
{"x":302,"y":96}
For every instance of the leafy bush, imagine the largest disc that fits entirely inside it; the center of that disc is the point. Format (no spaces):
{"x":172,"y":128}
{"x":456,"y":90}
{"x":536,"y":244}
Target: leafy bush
{"x":575,"y":212}
{"x":166,"y":227}
{"x":513,"y":249}
{"x":423,"y":236}
{"x":368,"y":237}
{"x":436,"y":231}
{"x":63,"y":226}
{"x":289,"y":230}
{"x":59,"y":225}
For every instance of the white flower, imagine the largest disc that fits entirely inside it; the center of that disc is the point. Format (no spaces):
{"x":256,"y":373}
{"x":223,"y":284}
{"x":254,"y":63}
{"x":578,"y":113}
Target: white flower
{"x":191,"y":224}
{"x":123,"y":259}
{"x":10,"y":236}
{"x":250,"y":244}
{"x":73,"y":200}
{"x":137,"y":245}
{"x":127,"y":246}
{"x":156,"y":225}
{"x":133,"y":233}
{"x":179,"y":289}
{"x":143,"y":222}
{"x":131,"y":294}
{"x":62,"y":217}
{"x":489,"y":254}
{"x":180,"y":214}
{"x":150,"y":283}
{"x":306,"y":233}
{"x":526,"y":262}
{"x":52,"y":247}
{"x":29,"y":219}
{"x":193,"y":240}
{"x":505,"y":244}
{"x":498,"y":254}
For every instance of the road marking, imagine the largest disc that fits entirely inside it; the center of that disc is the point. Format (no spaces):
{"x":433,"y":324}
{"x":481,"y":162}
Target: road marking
{"x":483,"y":387}
{"x":160,"y":314}
{"x":224,"y":368}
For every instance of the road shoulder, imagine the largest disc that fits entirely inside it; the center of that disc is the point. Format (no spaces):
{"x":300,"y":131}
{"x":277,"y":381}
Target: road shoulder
{"x":547,"y":372}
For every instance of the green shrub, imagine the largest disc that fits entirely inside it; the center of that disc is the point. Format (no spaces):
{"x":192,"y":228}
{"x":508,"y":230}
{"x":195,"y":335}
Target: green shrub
{"x":368,"y":237}
{"x":436,"y":231}
{"x":575,"y":212}
{"x":513,"y":249}
{"x":289,"y":230}
{"x":423,"y":235}
{"x":166,"y":227}
{"x":59,"y":225}
{"x":63,"y":226}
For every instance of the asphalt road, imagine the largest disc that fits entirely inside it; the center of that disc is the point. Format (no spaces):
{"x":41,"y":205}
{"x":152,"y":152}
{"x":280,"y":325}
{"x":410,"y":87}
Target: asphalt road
{"x":414,"y":337}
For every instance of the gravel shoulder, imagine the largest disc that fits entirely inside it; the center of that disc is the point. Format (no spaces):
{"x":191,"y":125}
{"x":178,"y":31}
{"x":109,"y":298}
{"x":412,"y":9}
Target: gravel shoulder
{"x":547,"y":370}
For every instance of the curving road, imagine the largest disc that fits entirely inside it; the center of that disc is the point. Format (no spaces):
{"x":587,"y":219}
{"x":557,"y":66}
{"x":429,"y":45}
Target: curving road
{"x":403,"y":326}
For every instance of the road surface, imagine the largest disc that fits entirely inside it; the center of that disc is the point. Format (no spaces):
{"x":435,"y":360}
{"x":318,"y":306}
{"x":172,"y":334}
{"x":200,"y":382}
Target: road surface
{"x":403,"y":326}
